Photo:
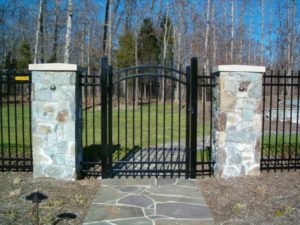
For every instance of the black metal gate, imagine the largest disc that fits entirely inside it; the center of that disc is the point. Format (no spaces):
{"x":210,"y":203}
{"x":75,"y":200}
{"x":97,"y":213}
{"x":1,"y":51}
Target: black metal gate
{"x":149,"y":121}
{"x":15,"y":121}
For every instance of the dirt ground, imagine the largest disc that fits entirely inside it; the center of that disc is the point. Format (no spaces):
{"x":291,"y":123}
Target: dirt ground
{"x":71,"y":197}
{"x":271,"y":198}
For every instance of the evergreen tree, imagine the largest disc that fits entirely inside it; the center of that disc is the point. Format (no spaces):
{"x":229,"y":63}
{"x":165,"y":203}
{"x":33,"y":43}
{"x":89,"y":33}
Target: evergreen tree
{"x":10,"y":64}
{"x":125,"y":53}
{"x":148,"y":47}
{"x":25,"y":55}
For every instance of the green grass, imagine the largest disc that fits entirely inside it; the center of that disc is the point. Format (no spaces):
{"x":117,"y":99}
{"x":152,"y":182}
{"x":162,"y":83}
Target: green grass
{"x":141,"y":131}
{"x":12,"y":128}
{"x":285,"y":144}
{"x":17,"y":136}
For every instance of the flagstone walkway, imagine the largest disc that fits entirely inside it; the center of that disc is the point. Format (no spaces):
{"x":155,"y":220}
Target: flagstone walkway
{"x":130,"y":201}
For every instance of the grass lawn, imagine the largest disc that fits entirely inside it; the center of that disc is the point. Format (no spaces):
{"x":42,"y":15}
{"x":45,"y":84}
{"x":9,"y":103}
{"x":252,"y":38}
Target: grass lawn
{"x":142,"y":126}
{"x":15,"y":129}
{"x":285,"y":144}
{"x":140,"y":131}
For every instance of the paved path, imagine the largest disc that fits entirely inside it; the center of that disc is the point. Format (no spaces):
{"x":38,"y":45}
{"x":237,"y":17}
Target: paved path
{"x":149,"y":201}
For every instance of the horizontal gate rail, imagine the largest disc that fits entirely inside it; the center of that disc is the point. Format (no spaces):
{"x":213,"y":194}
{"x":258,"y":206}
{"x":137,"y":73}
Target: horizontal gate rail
{"x":281,"y":117}
{"x":15,"y":121}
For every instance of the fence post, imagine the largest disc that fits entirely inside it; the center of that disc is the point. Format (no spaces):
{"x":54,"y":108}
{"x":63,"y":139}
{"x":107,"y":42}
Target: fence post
{"x":187,"y":141}
{"x":56,"y":121}
{"x":237,"y":120}
{"x":194,"y":112}
{"x":110,"y":128}
{"x":104,"y":85}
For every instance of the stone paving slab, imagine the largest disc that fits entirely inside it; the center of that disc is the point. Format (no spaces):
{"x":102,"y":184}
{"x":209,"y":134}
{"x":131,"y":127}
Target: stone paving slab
{"x":149,"y":201}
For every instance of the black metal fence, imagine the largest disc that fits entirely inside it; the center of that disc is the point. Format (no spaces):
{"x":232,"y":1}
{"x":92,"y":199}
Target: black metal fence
{"x":281,"y":117}
{"x":91,"y":127}
{"x":15,"y":121}
{"x":204,"y":160}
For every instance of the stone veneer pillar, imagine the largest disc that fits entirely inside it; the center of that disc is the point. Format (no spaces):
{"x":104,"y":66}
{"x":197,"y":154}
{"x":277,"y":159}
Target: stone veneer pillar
{"x":56,"y":121}
{"x":237,"y":120}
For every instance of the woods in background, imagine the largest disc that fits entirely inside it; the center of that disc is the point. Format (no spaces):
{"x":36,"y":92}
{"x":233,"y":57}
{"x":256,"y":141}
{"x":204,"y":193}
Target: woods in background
{"x":134,"y":32}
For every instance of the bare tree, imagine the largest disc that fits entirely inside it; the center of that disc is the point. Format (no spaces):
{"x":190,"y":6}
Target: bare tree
{"x":55,"y":32}
{"x":262,"y":33}
{"x":107,"y":8}
{"x":250,"y":37}
{"x":214,"y":34}
{"x":206,"y":61}
{"x":39,"y":33}
{"x":68,"y":33}
{"x":232,"y":30}
{"x":241,"y":33}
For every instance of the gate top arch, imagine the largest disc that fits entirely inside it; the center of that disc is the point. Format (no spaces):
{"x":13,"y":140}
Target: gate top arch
{"x":149,"y":67}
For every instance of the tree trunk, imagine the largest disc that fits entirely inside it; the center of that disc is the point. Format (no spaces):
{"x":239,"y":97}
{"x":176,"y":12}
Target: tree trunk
{"x":250,"y":39}
{"x":232,"y":30}
{"x":214,"y":34}
{"x":262,"y":33}
{"x":39,"y":31}
{"x":206,"y":61}
{"x":109,"y":41}
{"x":68,"y":33}
{"x":240,"y":58}
{"x":105,"y":27}
{"x":55,"y":34}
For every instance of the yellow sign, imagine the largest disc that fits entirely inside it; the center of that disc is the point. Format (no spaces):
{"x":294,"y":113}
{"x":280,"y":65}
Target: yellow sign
{"x":21,"y":78}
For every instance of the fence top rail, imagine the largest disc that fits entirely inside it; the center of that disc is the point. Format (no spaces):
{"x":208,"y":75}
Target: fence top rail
{"x":180,"y":72}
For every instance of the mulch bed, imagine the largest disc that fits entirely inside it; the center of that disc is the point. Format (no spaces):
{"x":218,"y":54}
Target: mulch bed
{"x":74,"y":197}
{"x":271,"y":198}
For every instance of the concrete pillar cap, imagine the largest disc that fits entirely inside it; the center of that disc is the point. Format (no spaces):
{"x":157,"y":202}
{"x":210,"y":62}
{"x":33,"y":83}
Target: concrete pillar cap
{"x":53,"y":67}
{"x":239,"y":68}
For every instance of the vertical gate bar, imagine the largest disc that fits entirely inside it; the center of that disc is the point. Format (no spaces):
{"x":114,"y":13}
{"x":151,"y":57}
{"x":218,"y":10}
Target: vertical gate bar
{"x":283,"y":125}
{"x":119,"y":145}
{"x":194,"y":81}
{"x":133,"y":121}
{"x":104,"y":70}
{"x":149,"y":102}
{"x":297,"y":124}
{"x":291,"y":119}
{"x":23,"y":126}
{"x":93,"y":99}
{"x":8,"y":119}
{"x":210,"y":125}
{"x":133,"y":114}
{"x":1,"y":123}
{"x":30,"y":126}
{"x":141,"y":126}
{"x":179,"y":122}
{"x":126,"y":125}
{"x":277,"y":120}
{"x":263,"y":120}
{"x":172,"y":121}
{"x":164,"y":123}
{"x":16,"y":126}
{"x":187,"y":130}
{"x":156,"y":127}
{"x":270,"y":122}
{"x":86,"y":110}
{"x":204,"y":93}
{"x":110,"y":125}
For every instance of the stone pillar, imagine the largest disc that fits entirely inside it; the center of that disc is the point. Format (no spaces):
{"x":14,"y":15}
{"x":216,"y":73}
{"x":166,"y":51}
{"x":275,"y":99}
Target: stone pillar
{"x":237,"y":120}
{"x":56,"y":121}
